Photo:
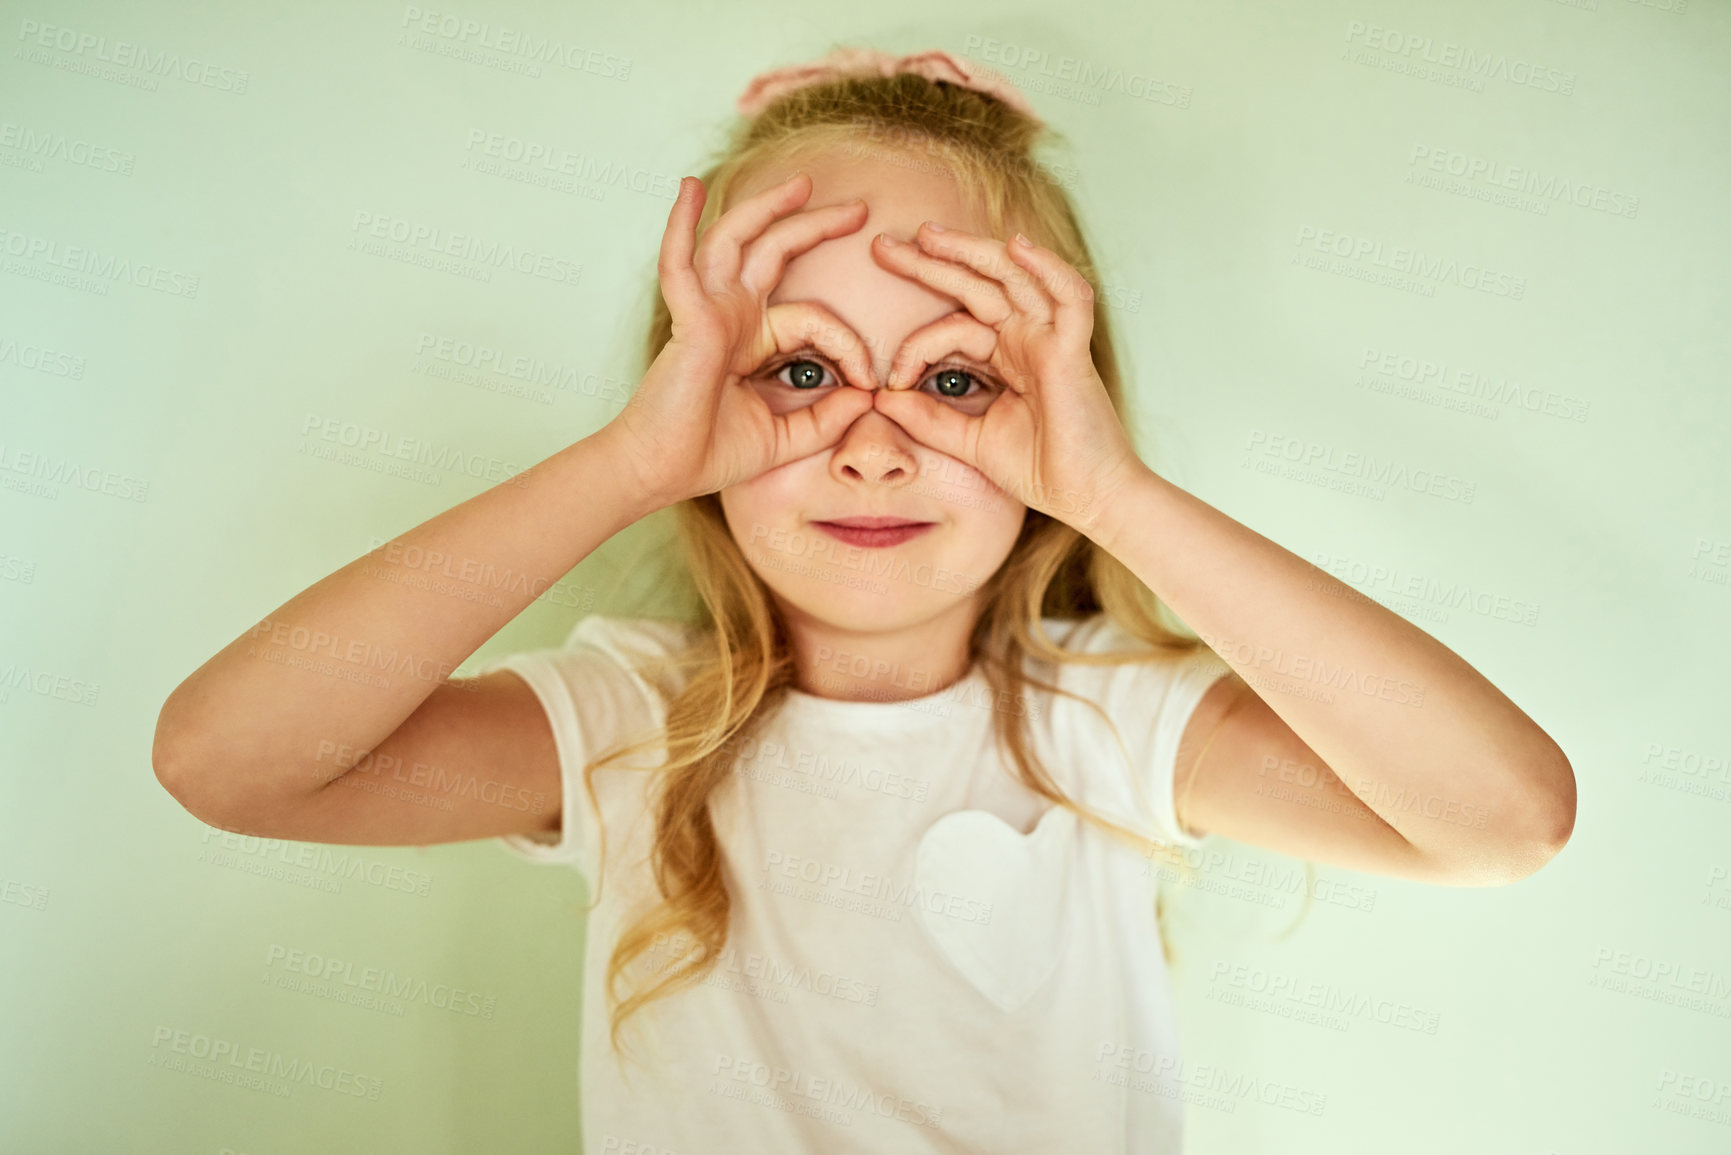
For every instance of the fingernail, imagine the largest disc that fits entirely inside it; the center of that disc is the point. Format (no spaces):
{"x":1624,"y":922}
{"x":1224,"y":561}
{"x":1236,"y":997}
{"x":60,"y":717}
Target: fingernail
{"x":1024,"y":241}
{"x":936,"y":227}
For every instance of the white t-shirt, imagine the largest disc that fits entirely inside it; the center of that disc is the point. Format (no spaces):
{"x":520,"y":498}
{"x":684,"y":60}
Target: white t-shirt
{"x":906,"y":970}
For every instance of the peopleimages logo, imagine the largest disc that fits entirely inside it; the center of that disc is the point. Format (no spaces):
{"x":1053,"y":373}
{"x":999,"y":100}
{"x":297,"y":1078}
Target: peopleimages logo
{"x":104,"y":267}
{"x":45,"y":144}
{"x":1475,"y":169}
{"x":208,"y":1057}
{"x":1071,"y":77}
{"x":365,"y":439}
{"x":45,"y":468}
{"x":514,"y":42}
{"x":806,"y":1093}
{"x":580,"y":166}
{"x":436,"y":241}
{"x":344,"y":977}
{"x":17,"y":676}
{"x":26,"y":355}
{"x":1354,"y":466}
{"x":1412,"y":262}
{"x":1479,"y":66}
{"x":125,"y":54}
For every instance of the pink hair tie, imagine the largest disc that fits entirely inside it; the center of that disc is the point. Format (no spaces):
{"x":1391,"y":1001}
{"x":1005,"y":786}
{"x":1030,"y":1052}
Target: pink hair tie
{"x":934,"y":65}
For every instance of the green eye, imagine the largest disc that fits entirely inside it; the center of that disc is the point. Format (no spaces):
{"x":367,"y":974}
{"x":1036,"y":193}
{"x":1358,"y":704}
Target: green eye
{"x":805,"y":374}
{"x":953,"y":382}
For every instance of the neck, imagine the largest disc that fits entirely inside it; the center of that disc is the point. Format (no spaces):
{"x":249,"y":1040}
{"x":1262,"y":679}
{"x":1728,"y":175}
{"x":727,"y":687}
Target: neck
{"x":911,"y":659}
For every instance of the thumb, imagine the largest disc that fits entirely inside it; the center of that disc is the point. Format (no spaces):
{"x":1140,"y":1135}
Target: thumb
{"x":816,"y":427}
{"x":928,"y":421}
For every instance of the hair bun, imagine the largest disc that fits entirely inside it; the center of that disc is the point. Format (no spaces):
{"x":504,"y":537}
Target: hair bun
{"x":935,"y":65}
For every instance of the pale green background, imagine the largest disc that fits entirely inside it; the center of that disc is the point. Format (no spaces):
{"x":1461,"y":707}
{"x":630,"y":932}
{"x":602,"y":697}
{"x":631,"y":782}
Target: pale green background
{"x":113,"y":923}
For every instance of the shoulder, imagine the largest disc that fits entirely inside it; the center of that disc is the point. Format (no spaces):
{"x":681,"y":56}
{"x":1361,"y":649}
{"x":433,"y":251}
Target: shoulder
{"x":649,"y":649}
{"x":1131,"y":716}
{"x":1133,"y":681}
{"x":629,"y":635}
{"x":1093,"y":634}
{"x":1102,"y":634}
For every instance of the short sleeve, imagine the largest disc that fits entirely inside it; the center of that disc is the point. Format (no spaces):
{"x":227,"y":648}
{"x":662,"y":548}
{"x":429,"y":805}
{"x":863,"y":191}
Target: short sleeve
{"x":1149,"y":702}
{"x":595,"y":698}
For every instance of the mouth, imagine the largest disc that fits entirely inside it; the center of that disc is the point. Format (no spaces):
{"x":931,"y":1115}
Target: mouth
{"x":874,"y":522}
{"x":874,"y":531}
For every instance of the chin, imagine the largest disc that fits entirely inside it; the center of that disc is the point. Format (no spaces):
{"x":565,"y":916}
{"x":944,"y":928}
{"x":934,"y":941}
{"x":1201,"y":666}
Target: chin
{"x":856,"y":601}
{"x":821,"y":579}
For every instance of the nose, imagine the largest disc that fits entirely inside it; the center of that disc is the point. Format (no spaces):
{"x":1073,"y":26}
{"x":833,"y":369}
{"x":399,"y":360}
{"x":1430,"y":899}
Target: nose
{"x":874,"y":449}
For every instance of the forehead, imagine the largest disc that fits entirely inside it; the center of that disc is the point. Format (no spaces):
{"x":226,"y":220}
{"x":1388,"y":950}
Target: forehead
{"x":886,"y":177}
{"x":901,"y":189}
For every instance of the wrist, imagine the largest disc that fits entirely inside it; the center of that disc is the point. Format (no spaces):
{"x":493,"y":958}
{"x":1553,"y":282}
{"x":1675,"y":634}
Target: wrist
{"x":1110,"y":508}
{"x":639,"y":492}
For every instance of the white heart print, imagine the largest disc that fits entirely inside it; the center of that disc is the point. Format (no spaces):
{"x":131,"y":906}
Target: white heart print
{"x":1010,"y":952}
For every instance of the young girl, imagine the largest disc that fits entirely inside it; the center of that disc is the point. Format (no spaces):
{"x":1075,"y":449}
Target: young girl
{"x":869,"y":836}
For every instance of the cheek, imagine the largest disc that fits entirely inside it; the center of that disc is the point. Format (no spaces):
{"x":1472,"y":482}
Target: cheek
{"x":987,"y":520}
{"x":956,"y":482}
{"x":768,"y":501}
{"x":1001,"y":523}
{"x":968,"y":494}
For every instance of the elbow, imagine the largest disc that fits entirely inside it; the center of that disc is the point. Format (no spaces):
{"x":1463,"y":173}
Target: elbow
{"x":174,"y":760}
{"x":1514,"y":838}
{"x":169,"y":760}
{"x":1545,"y":822}
{"x":214,"y":773}
{"x":1554,"y":805}
{"x":1559,"y":817}
{"x":166,"y":752}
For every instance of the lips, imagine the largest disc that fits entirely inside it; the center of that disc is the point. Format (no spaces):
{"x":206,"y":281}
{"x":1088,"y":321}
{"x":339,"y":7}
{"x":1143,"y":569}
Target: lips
{"x":874,"y":532}
{"x":873,"y":522}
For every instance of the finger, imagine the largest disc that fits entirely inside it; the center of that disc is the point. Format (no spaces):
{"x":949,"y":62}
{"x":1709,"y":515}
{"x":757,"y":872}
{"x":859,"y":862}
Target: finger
{"x":718,"y":256}
{"x":989,"y":258}
{"x":931,"y":422}
{"x":982,"y":297}
{"x":679,"y":284}
{"x":794,"y":325}
{"x":1072,"y":293}
{"x":814,"y":428}
{"x":767,"y":256}
{"x":952,"y":333}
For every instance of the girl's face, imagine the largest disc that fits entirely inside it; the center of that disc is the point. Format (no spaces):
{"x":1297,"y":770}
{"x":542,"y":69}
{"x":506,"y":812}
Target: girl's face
{"x":876,"y":469}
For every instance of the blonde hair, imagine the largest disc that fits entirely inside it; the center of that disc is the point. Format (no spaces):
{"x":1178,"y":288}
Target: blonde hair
{"x":741,"y":667}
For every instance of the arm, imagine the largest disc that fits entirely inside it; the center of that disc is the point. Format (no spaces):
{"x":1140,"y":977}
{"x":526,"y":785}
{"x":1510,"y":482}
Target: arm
{"x":261,"y":735}
{"x":1358,"y":738}
{"x":1379,"y":711}
{"x":1342,"y":686}
{"x":257,"y":730}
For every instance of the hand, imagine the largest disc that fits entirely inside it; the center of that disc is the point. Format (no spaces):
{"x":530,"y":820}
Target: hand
{"x":1050,"y":438}
{"x":696,"y":424}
